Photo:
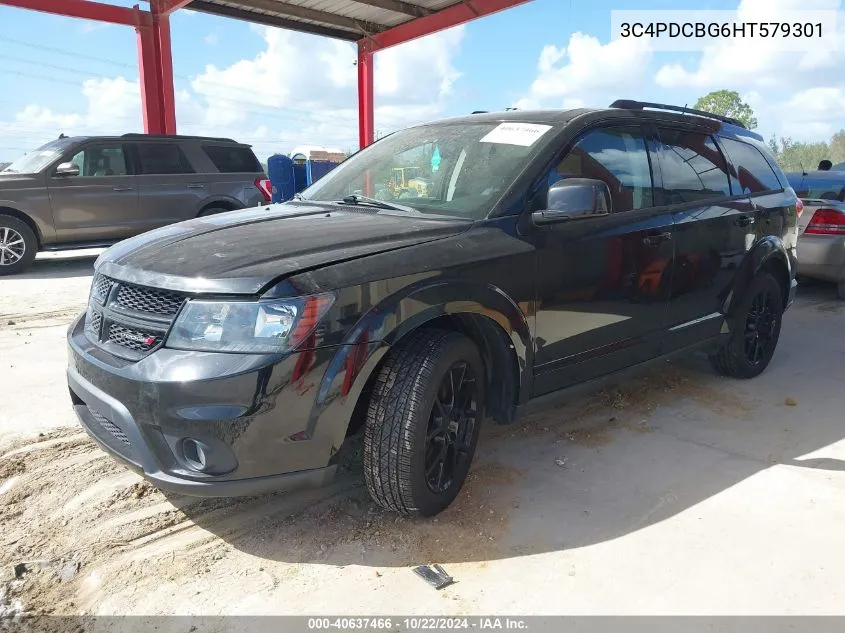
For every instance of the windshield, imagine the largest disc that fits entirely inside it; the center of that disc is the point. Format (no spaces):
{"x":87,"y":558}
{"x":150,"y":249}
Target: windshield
{"x":455,"y":170}
{"x":37,"y":159}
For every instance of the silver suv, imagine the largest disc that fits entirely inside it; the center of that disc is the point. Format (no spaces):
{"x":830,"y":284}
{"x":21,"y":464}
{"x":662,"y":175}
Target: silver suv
{"x":84,"y":192}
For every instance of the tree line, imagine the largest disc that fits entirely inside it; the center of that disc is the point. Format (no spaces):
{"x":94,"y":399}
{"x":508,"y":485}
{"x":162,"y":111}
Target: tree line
{"x":790,"y":154}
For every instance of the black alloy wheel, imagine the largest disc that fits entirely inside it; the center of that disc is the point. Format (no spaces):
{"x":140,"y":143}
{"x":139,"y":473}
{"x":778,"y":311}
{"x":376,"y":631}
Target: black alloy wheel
{"x":451,"y":427}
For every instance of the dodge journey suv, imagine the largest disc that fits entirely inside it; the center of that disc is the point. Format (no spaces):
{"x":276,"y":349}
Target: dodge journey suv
{"x":530,"y":252}
{"x":82,"y":192}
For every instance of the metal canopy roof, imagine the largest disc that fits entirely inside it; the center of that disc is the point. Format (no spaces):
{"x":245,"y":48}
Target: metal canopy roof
{"x":342,"y":19}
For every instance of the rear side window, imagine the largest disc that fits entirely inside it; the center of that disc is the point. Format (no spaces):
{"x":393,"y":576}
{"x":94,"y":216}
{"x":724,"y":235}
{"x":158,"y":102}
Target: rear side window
{"x":617,"y":156}
{"x":163,"y":159}
{"x":751,"y":171}
{"x":230,"y":160}
{"x":693,"y":168}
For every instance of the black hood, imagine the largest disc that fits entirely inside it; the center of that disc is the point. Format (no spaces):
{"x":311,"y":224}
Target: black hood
{"x":242,"y":252}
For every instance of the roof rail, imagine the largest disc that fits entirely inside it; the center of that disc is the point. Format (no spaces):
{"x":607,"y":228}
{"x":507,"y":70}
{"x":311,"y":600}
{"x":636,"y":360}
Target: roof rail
{"x":480,"y":112}
{"x":179,"y":136}
{"x":628,"y":104}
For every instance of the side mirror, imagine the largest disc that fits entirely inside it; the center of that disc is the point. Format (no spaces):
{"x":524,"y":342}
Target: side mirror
{"x":67,"y":169}
{"x":574,"y":198}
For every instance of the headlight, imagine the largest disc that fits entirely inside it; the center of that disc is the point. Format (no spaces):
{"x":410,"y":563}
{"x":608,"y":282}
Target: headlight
{"x":253,"y":327}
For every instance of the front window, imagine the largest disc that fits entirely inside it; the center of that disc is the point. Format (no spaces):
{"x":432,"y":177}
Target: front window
{"x":100,"y":160}
{"x":38,"y":159}
{"x":460,"y":171}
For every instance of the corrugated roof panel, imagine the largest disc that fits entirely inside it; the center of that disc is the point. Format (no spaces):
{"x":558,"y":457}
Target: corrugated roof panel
{"x":355,"y":10}
{"x":343,"y":18}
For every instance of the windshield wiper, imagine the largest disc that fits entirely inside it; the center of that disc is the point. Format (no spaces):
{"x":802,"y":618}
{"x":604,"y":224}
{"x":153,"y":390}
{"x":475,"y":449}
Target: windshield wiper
{"x":380,"y":204}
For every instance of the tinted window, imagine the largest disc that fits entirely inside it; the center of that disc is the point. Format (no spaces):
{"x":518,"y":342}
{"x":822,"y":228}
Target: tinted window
{"x":100,"y":160}
{"x":617,"y":156}
{"x":693,"y":167}
{"x":753,"y":172}
{"x":162,"y":158}
{"x":232,"y":159}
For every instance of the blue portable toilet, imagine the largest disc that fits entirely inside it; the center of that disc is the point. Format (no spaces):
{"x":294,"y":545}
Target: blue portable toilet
{"x":280,"y":170}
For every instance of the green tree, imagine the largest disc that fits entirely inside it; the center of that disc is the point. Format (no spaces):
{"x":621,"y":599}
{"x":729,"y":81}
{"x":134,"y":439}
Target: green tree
{"x":797,"y":156}
{"x":837,"y":147}
{"x":728,"y":103}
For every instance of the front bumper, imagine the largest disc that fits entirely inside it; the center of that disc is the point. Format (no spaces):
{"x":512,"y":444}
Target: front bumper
{"x":253,"y":415}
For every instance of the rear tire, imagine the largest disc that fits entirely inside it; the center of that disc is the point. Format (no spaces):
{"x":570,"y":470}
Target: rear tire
{"x":423,"y":421}
{"x":212,"y":211}
{"x":18,"y":245}
{"x":755,"y":330}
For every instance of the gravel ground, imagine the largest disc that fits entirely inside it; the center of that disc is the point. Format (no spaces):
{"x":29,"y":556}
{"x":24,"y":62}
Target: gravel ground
{"x":676,"y":492}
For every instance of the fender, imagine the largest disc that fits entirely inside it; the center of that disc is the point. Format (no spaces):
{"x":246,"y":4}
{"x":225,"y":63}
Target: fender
{"x":768,"y":251}
{"x":366,"y":344}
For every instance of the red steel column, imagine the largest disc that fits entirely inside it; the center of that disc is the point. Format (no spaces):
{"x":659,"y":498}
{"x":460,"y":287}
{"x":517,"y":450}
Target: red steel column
{"x":152,"y":104}
{"x":164,"y":63}
{"x":366,"y":108}
{"x":155,"y":68}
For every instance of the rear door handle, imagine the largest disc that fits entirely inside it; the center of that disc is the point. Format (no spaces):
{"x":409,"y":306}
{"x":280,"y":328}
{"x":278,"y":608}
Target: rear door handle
{"x":123,"y":189}
{"x":656,"y":238}
{"x":196,"y":186}
{"x":744,"y":220}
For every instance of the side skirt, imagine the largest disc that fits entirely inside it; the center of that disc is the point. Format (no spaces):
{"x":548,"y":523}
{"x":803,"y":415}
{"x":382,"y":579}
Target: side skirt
{"x":556,"y":398}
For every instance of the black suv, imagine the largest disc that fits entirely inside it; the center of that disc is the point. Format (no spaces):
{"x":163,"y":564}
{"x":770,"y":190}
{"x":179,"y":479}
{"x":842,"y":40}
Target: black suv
{"x":529,"y":252}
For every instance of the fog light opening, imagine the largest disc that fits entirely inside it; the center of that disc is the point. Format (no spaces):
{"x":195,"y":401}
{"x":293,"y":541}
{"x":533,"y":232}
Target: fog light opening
{"x":194,"y":453}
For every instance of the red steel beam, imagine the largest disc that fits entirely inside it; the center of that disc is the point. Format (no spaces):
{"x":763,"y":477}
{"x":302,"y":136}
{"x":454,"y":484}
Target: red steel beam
{"x":366,"y":106}
{"x":446,"y":18}
{"x":86,"y":9}
{"x":166,"y":7}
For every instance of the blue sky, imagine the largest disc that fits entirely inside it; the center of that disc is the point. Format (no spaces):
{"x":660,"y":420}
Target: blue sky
{"x":277,"y":90}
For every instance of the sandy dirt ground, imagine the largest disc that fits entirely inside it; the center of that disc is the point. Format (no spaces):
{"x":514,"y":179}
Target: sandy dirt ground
{"x":675,"y":492}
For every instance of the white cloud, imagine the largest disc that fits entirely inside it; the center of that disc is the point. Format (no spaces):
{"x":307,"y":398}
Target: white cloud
{"x":211,"y":39}
{"x":586,"y":71}
{"x":299,"y":89}
{"x":411,"y":82}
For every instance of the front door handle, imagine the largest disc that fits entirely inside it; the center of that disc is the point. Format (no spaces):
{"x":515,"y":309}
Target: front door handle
{"x":122,"y":189}
{"x":656,"y":238}
{"x":744,"y":220}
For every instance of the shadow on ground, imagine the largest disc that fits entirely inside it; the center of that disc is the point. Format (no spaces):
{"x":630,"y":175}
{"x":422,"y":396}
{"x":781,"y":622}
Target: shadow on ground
{"x":63,"y":265}
{"x":603,"y":466}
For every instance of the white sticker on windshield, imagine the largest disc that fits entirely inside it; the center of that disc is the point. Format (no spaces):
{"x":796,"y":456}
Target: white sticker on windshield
{"x":525,"y":134}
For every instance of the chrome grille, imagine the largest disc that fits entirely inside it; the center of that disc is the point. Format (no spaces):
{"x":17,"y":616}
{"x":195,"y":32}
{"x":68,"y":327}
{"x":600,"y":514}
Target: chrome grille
{"x":158,"y":302}
{"x":135,"y":340}
{"x":110,"y":427}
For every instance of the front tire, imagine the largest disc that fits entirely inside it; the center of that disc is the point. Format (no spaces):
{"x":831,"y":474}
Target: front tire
{"x":18,"y":245}
{"x":755,"y":330}
{"x":422,"y":423}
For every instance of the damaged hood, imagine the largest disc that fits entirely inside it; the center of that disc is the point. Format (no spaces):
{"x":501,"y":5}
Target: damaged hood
{"x":242,"y":252}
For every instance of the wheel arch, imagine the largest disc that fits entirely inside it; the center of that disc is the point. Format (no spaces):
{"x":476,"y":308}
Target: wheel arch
{"x":26,"y":219}
{"x":482,"y":312}
{"x":768,"y":255}
{"x":230,"y":204}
